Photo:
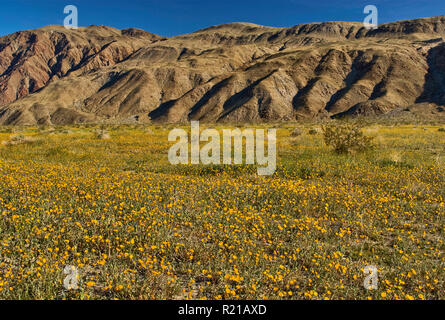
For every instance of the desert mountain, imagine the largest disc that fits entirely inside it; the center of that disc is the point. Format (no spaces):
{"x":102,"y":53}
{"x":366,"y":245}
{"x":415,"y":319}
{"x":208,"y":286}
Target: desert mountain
{"x":232,"y":72}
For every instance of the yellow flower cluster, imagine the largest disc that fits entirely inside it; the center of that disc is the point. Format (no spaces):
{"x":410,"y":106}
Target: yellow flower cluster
{"x":136,"y":227}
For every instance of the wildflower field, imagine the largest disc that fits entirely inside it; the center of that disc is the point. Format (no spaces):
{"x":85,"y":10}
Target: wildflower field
{"x":137,"y":227}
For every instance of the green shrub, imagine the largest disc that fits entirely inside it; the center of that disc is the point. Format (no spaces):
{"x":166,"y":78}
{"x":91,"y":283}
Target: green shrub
{"x":346,"y":138}
{"x":441,"y":129}
{"x":388,"y":162}
{"x":313,"y":132}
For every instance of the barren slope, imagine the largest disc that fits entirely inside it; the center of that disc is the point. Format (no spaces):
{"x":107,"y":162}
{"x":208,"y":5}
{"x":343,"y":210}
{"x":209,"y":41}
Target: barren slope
{"x":232,"y":72}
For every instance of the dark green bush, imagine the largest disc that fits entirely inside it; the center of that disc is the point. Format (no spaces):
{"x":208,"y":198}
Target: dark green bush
{"x":313,"y":132}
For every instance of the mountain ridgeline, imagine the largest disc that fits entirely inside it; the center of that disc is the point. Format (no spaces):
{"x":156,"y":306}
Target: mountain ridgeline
{"x":236,"y":72}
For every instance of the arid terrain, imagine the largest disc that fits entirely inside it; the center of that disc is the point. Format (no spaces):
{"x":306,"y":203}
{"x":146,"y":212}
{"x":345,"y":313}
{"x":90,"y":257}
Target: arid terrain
{"x":233,"y":72}
{"x":86,"y":182}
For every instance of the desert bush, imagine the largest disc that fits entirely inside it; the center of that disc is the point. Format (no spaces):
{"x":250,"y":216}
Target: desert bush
{"x":18,"y":138}
{"x":313,"y":132}
{"x":441,"y":130}
{"x":393,"y":163}
{"x":103,"y":135}
{"x":346,"y":138}
{"x":296,"y":132}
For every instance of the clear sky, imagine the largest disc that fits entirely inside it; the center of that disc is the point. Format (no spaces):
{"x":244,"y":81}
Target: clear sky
{"x":172,"y":17}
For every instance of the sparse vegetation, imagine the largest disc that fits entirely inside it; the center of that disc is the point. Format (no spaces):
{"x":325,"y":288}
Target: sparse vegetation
{"x":296,"y":132}
{"x":103,"y":134}
{"x":18,"y":139}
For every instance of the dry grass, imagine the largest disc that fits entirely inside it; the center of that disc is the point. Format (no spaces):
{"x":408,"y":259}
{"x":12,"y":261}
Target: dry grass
{"x":18,"y":139}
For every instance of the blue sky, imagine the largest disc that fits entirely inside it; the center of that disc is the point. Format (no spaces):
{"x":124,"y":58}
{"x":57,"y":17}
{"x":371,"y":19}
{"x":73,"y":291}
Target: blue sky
{"x":168,"y":18}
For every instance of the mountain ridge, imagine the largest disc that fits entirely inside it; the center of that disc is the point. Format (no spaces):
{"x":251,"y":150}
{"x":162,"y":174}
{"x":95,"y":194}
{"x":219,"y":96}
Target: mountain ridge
{"x":231,"y":72}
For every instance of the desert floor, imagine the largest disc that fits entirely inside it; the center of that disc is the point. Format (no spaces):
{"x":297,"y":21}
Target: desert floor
{"x":137,"y":227}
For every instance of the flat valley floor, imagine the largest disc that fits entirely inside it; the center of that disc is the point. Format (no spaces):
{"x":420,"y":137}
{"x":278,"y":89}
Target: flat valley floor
{"x":136,"y":227}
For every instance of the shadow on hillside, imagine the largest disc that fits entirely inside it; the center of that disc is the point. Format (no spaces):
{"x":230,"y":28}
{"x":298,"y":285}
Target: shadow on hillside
{"x":434,"y":87}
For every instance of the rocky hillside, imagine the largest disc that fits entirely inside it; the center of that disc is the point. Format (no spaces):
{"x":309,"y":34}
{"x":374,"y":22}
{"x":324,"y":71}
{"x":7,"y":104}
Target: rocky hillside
{"x":234,"y":72}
